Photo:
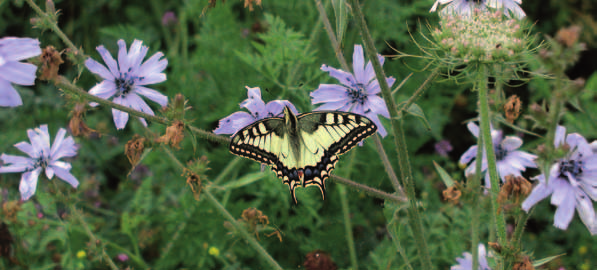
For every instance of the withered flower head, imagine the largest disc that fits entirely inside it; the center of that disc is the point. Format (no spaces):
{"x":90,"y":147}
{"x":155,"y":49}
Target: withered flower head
{"x":77,"y":125}
{"x":196,"y":174}
{"x":512,"y":108}
{"x":249,"y":3}
{"x":495,"y":246}
{"x":174,"y":135}
{"x":256,"y":221}
{"x":50,"y":61}
{"x":568,"y":36}
{"x":452,"y":194}
{"x":523,"y":263}
{"x":319,"y":260}
{"x":516,"y":188}
{"x":10,"y":210}
{"x":134,"y":149}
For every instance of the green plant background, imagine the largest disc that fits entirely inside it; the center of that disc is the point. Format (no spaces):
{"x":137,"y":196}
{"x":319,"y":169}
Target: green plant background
{"x":213,"y":53}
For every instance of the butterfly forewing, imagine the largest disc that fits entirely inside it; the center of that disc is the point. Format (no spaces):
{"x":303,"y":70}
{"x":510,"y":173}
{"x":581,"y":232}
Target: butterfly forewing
{"x":260,"y":141}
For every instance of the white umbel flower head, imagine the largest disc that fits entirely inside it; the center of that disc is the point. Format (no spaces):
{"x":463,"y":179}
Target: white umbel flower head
{"x":41,"y":157}
{"x":125,"y":80}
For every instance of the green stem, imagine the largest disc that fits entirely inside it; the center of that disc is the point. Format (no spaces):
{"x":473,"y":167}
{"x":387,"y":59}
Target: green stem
{"x":332,"y":35}
{"x":92,"y":239}
{"x":69,"y":87}
{"x":400,"y":141}
{"x":248,"y":237}
{"x":348,"y":227}
{"x":500,"y":222}
{"x":388,"y":166}
{"x":475,"y":183}
{"x":521,"y":222}
{"x":54,"y":26}
{"x":420,"y":91}
{"x":369,"y":190}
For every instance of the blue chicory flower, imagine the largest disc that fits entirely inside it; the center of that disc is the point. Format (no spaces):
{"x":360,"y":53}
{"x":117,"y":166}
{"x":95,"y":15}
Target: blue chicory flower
{"x":358,"y":92}
{"x":465,"y":8}
{"x":257,"y":111}
{"x":124,"y":80}
{"x":572,"y":182}
{"x":466,"y":262}
{"x":41,"y":157}
{"x":509,"y":160}
{"x":13,"y":50}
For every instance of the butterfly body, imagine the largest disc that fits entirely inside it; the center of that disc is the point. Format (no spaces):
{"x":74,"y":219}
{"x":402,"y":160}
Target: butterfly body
{"x":302,"y":150}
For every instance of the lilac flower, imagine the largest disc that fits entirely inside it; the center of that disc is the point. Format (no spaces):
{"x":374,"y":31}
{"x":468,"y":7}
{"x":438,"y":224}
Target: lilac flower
{"x":443,"y":147}
{"x":124,"y":80}
{"x":169,"y":19}
{"x":466,"y":262}
{"x":572,"y":183}
{"x":358,"y":92}
{"x":508,"y":6}
{"x":465,"y":8}
{"x":509,"y":160}
{"x":257,"y":111}
{"x":122,"y":257}
{"x":41,"y":157}
{"x":12,"y":50}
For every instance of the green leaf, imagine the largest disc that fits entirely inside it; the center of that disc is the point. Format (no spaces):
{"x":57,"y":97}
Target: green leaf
{"x":245,"y":180}
{"x":543,"y":261}
{"x":448,"y":181}
{"x":341,"y":12}
{"x":416,"y":111}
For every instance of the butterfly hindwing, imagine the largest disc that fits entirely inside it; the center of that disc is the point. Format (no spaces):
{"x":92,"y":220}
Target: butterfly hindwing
{"x":327,"y":135}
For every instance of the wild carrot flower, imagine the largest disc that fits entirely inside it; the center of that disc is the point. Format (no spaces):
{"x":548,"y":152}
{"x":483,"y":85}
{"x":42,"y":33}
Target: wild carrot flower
{"x":13,"y":50}
{"x":358,"y":92}
{"x":257,"y":111}
{"x":466,"y":262}
{"x":509,"y":160}
{"x":572,"y":182}
{"x":125,"y":80}
{"x":41,"y":157}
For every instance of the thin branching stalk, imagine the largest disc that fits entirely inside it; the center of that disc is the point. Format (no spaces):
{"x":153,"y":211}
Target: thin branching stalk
{"x":420,"y":91}
{"x":388,"y":166}
{"x":500,"y":223}
{"x":369,"y":190}
{"x":220,"y":208}
{"x":400,"y":141}
{"x":79,"y":217}
{"x":54,"y":26}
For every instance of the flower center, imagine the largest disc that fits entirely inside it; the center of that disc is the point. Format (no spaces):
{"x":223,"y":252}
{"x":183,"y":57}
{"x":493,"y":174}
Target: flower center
{"x":574,"y":167}
{"x":125,"y":84}
{"x":357,"y":93}
{"x":500,"y":153}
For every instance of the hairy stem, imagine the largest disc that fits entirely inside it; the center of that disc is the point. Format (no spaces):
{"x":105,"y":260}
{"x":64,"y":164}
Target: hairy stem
{"x":400,"y":140}
{"x":500,"y":222}
{"x":369,"y":190}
